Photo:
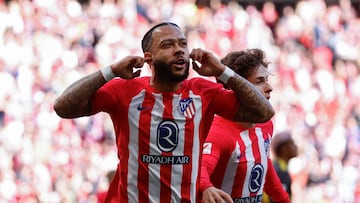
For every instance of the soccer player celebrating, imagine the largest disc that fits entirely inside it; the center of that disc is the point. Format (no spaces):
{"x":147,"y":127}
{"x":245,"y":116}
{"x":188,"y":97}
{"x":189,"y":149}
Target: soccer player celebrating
{"x":161,"y":121}
{"x":236,"y":164}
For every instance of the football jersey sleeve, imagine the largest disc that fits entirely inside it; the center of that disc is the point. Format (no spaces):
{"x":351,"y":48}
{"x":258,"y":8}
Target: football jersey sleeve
{"x":212,"y":150}
{"x":207,"y":166}
{"x":104,"y":99}
{"x":226,"y":103}
{"x":117,"y":93}
{"x":210,"y":158}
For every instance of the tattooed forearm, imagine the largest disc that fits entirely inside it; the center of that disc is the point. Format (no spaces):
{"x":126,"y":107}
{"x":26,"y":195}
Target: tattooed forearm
{"x":75,"y":100}
{"x":254,"y":106}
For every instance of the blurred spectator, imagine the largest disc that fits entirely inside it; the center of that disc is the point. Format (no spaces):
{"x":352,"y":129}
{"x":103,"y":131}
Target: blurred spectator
{"x":284,"y":149}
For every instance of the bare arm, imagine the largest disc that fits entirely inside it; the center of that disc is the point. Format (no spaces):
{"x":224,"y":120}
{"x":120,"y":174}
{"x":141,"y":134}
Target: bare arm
{"x":255,"y":108}
{"x":75,"y":101}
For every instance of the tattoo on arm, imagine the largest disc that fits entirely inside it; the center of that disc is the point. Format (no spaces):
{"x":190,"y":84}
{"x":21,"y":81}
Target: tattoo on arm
{"x":254,"y":105}
{"x":75,"y":100}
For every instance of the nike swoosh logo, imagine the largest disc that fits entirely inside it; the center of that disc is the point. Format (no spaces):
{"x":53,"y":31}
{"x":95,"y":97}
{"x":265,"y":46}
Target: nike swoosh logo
{"x":142,"y":108}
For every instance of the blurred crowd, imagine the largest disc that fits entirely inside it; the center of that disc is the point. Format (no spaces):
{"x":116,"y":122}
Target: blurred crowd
{"x":313,"y":47}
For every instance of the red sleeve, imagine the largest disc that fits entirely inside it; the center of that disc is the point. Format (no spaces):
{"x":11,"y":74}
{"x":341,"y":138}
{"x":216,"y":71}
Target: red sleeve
{"x":207,"y":167}
{"x":225,"y":98}
{"x":273,"y":186}
{"x":212,"y":149}
{"x":105,"y":97}
{"x":112,"y":95}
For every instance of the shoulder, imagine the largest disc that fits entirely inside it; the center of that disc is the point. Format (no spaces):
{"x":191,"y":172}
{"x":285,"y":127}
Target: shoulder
{"x":220,"y":130}
{"x":220,"y":122}
{"x":119,"y":88}
{"x":128,"y":84}
{"x":144,"y":80}
{"x":268,"y":126}
{"x":202,"y":83}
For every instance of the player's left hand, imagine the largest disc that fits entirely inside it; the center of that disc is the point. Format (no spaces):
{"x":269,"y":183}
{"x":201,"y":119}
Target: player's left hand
{"x":210,"y":65}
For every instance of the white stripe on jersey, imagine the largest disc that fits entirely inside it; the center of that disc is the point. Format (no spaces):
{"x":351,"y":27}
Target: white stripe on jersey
{"x":177,"y":169}
{"x":249,"y":157}
{"x":154,"y":169}
{"x":196,"y":153}
{"x":132,"y":178}
{"x":230,"y":172}
{"x":261,"y":143}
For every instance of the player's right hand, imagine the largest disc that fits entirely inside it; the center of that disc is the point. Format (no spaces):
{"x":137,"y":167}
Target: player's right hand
{"x":128,"y":67}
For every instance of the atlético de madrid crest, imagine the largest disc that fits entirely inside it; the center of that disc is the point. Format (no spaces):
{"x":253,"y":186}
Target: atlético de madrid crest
{"x":187,"y":107}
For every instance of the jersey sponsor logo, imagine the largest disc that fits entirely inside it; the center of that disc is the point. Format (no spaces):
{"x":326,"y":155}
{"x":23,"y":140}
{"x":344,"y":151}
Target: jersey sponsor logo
{"x":167,"y":136}
{"x":207,"y":148}
{"x":256,"y":176}
{"x":254,"y":199}
{"x":187,"y":107}
{"x":157,"y":159}
{"x":142,"y":108}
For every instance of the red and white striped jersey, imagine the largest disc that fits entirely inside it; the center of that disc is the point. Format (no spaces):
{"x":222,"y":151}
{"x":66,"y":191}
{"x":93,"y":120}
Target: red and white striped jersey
{"x":236,"y":160}
{"x":160,"y":136}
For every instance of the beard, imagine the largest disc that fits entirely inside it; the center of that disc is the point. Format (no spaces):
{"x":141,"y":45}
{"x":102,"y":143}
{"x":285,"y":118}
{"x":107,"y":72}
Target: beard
{"x":164,"y":73}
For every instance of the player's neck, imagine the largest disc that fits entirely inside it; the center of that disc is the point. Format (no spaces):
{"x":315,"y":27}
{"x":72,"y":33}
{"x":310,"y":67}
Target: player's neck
{"x":165,"y":86}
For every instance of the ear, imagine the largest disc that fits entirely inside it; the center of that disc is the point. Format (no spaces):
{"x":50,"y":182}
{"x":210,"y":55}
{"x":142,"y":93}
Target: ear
{"x":148,"y":58}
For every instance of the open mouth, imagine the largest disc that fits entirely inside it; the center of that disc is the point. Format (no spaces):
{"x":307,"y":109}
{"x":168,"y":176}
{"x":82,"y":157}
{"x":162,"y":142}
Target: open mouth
{"x":180,"y":63}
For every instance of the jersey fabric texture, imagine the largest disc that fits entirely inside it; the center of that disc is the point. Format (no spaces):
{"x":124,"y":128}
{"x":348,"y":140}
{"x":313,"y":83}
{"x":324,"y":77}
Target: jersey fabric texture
{"x":237,"y":160}
{"x":159,"y":136}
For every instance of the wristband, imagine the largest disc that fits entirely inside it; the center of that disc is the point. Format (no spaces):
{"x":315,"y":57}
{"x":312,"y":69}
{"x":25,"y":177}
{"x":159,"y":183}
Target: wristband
{"x":224,"y":76}
{"x":107,"y":73}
